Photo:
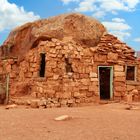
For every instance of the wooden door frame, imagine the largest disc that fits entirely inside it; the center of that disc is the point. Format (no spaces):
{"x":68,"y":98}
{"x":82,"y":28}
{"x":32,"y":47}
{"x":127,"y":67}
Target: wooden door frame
{"x":111,"y":79}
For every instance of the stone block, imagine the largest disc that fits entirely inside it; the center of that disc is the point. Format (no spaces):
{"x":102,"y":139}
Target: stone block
{"x":50,"y":93}
{"x":83,"y":87}
{"x":89,"y":94}
{"x":40,"y":89}
{"x":76,"y":95}
{"x":42,"y":102}
{"x":94,"y":83}
{"x":58,"y":47}
{"x":119,"y":83}
{"x":8,"y":68}
{"x":120,"y":88}
{"x":129,"y":98}
{"x":52,"y":44}
{"x":11,"y":106}
{"x":94,"y":79}
{"x":35,"y":74}
{"x":28,"y":75}
{"x":63,"y":118}
{"x":84,"y":76}
{"x":88,"y":69}
{"x":93,"y":75}
{"x":85,"y":81}
{"x":119,"y":74}
{"x":64,"y":103}
{"x":53,"y":55}
{"x":55,"y":77}
{"x":112,"y":56}
{"x":34,"y":104}
{"x":52,"y":50}
{"x":32,"y":69}
{"x":130,"y":87}
{"x":87,"y":52}
{"x":66,"y":95}
{"x":13,"y":74}
{"x":49,"y":74}
{"x":134,"y":92}
{"x":82,"y":70}
{"x":118,"y":68}
{"x":93,"y":88}
{"x":33,"y":65}
{"x":52,"y":64}
{"x":100,"y":58}
{"x":77,"y":101}
{"x":117,"y":94}
{"x":120,"y":79}
{"x":70,"y":101}
{"x":75,"y":89}
{"x":42,"y":43}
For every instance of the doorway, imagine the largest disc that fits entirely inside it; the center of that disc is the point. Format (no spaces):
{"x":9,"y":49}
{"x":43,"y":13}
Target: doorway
{"x":105,"y":82}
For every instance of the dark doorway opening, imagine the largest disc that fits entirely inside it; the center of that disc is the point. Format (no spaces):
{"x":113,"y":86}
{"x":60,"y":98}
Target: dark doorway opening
{"x":42,"y":65}
{"x":104,"y":75}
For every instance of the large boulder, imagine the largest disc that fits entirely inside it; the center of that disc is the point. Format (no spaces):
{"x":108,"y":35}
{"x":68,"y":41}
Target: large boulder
{"x":82,"y":29}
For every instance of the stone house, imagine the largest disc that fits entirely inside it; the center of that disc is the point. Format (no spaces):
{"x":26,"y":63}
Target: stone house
{"x":82,"y":64}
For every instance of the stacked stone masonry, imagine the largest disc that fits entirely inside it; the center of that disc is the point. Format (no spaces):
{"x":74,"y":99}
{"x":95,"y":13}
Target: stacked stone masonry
{"x":81,"y":83}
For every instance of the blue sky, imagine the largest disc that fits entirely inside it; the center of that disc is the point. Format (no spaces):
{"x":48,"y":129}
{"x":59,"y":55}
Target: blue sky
{"x":120,"y":17}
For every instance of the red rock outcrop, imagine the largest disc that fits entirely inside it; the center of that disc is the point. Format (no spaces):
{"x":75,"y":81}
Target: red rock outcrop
{"x":82,"y":29}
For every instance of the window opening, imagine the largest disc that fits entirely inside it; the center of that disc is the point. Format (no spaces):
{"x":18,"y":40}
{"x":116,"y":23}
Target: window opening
{"x":42,"y":65}
{"x":68,"y":65}
{"x":130,"y":73}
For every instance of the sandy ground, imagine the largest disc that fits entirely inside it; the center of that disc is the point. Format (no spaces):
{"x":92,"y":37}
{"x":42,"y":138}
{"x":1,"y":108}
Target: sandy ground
{"x":100,"y":122}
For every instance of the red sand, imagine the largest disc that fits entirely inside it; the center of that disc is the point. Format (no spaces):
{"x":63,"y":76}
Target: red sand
{"x":103,"y":122}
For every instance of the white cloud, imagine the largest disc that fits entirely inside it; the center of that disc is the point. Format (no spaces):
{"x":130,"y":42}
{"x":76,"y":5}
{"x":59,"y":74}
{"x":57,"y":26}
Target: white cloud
{"x":101,"y":8}
{"x":137,"y":39}
{"x":118,"y":27}
{"x":118,"y":20}
{"x":99,"y":14}
{"x":131,"y":3}
{"x":113,"y":5}
{"x":98,"y":7}
{"x":11,"y":15}
{"x":68,"y":1}
{"x":85,"y":6}
{"x":121,"y":35}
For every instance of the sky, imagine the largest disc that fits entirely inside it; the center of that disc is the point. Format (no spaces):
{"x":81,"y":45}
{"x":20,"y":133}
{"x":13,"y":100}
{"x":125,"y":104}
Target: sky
{"x":120,"y":17}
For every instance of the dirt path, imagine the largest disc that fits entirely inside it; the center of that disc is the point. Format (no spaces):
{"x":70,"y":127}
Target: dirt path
{"x":104,"y":122}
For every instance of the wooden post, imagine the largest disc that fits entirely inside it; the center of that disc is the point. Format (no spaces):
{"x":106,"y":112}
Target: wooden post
{"x":7,"y":89}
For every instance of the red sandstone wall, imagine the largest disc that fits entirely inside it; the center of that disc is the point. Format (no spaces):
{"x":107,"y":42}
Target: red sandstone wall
{"x":80,"y":86}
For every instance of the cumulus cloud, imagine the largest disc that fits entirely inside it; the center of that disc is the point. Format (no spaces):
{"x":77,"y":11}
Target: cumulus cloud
{"x":68,"y":1}
{"x":99,"y":14}
{"x":118,"y":20}
{"x":137,"y":39}
{"x":118,"y":27}
{"x":100,"y":8}
{"x":11,"y":15}
{"x":85,"y":6}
